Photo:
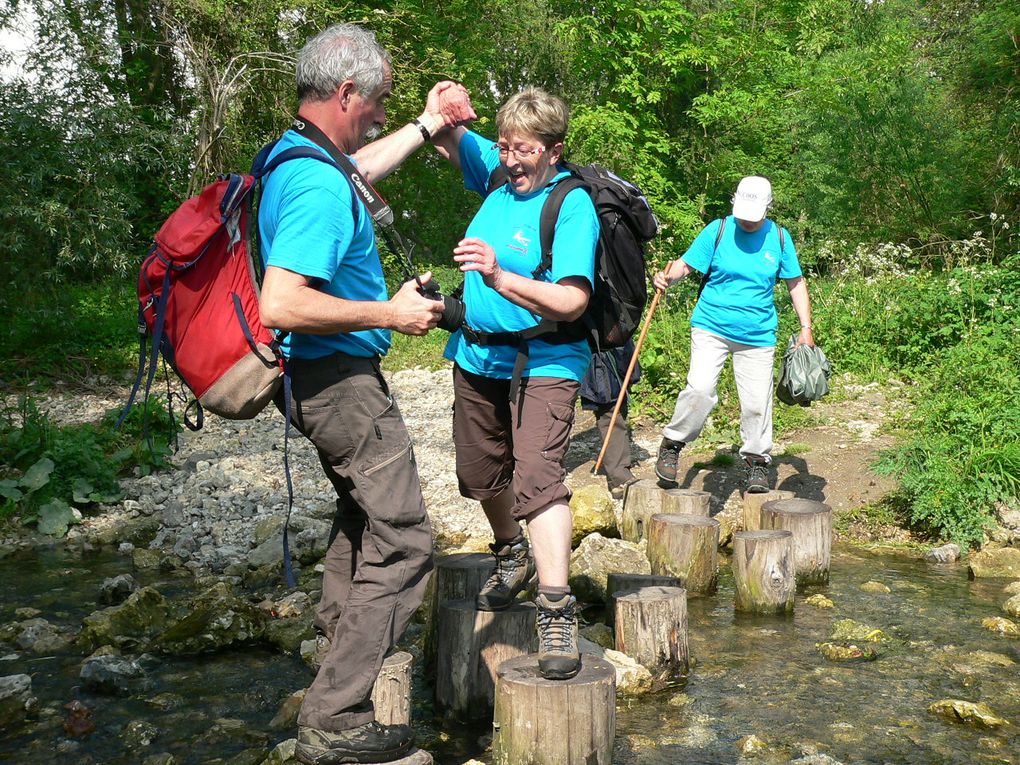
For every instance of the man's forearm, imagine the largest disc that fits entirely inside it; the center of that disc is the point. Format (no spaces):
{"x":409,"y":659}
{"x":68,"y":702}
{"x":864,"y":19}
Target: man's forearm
{"x":311,"y":312}
{"x":378,"y":159}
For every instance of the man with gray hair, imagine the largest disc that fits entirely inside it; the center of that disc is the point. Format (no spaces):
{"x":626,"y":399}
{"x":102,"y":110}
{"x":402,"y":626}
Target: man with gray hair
{"x":324,"y":287}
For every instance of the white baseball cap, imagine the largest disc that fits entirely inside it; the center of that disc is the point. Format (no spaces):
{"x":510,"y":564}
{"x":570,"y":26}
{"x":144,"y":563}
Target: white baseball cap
{"x":753,"y":197}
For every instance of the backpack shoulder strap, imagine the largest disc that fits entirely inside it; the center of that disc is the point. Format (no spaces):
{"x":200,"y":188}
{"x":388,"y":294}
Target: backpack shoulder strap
{"x":261,"y":167}
{"x":718,"y":238}
{"x":497,"y":178}
{"x":550,"y":214}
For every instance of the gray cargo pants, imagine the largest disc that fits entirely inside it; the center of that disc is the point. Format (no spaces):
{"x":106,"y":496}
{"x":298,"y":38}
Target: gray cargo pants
{"x":380,"y":556}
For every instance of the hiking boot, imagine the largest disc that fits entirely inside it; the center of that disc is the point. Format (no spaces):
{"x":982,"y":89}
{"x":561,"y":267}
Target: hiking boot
{"x":669,"y":456}
{"x":756,"y":476}
{"x":558,"y":658}
{"x":371,"y":742}
{"x":515,"y":570}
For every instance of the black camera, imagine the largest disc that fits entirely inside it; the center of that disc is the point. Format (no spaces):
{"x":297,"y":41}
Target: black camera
{"x":454,"y":310}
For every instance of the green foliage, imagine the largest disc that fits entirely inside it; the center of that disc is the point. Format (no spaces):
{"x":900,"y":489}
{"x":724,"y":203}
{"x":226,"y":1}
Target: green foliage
{"x":963,"y":455}
{"x":70,"y":331}
{"x":47,"y":469}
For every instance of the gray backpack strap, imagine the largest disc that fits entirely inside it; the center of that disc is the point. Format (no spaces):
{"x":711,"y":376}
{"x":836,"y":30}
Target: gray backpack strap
{"x":718,"y":238}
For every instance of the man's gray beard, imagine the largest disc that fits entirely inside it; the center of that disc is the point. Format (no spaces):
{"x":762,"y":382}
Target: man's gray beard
{"x":373,"y":132}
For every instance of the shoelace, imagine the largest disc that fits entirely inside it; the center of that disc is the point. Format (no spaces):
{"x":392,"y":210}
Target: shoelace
{"x":669,"y":455}
{"x":556,"y":629}
{"x":755,"y":472}
{"x":506,"y":567}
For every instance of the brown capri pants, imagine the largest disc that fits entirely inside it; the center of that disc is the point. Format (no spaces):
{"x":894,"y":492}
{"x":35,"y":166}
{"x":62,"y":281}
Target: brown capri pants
{"x":523,"y":441}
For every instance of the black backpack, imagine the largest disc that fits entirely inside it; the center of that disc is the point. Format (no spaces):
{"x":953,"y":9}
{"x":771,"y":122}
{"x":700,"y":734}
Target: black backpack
{"x":627,"y":224}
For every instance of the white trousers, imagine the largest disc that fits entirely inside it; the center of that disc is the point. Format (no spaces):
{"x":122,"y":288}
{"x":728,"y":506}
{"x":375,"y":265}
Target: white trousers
{"x":752,"y":370}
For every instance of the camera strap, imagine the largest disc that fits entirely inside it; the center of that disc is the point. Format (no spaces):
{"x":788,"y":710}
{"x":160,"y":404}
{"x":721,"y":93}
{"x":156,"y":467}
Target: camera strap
{"x":377,"y":207}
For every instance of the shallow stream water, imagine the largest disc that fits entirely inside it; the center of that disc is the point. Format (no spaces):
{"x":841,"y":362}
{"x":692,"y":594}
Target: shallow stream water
{"x":751,"y":676}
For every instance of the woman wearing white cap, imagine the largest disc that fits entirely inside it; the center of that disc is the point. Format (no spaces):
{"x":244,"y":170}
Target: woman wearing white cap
{"x":742,"y":257}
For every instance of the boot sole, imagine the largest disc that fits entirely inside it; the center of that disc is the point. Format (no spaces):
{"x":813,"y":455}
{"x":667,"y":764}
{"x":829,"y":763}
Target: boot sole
{"x":319,"y":756}
{"x":559,"y":675}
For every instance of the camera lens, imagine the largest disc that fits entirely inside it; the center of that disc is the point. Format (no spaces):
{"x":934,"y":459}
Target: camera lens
{"x":453,"y":314}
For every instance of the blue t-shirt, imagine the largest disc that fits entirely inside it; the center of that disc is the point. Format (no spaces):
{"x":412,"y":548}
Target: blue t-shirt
{"x":737,"y":302}
{"x":509,"y":223}
{"x":306,"y":221}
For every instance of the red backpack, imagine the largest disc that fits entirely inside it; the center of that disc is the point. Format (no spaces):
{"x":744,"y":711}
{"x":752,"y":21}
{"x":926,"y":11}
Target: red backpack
{"x":198,"y":300}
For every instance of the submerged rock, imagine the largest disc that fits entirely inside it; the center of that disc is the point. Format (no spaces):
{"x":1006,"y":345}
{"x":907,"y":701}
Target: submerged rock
{"x":283,"y":753}
{"x":289,"y":634}
{"x":1013,"y":588}
{"x":138,"y":619}
{"x":111,"y":674}
{"x":751,"y":745}
{"x":218,"y":619}
{"x":849,"y":630}
{"x":1012,"y":606}
{"x":41,"y":637}
{"x":949,"y":553}
{"x":877,"y":587}
{"x":592,"y":511}
{"x":997,"y":562}
{"x":596,"y":557}
{"x":1001,"y":626}
{"x":138,"y":734}
{"x":117,"y":589}
{"x":967,"y":712}
{"x":16,"y":700}
{"x":819,"y":601}
{"x":843,"y":653}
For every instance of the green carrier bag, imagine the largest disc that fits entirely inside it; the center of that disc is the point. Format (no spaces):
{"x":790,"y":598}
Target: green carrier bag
{"x":803,"y":374}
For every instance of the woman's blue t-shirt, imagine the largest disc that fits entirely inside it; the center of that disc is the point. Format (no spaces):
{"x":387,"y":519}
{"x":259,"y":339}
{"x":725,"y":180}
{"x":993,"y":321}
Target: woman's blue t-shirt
{"x":737,"y":302}
{"x":509,"y":223}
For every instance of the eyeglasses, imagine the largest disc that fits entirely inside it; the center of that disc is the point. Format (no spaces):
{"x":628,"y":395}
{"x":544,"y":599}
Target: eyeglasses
{"x":521,"y":152}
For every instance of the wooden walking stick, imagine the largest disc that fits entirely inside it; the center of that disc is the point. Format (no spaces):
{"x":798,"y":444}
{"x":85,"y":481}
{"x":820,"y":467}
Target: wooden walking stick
{"x":626,"y":379}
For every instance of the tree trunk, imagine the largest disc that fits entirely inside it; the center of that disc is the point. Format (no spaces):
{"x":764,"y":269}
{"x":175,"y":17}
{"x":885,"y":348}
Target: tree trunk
{"x":685,"y":546}
{"x":811,"y":524}
{"x":651,"y":628}
{"x":753,"y":503}
{"x":642,"y":500}
{"x":391,"y":694}
{"x":471,"y":646}
{"x":554,"y":722}
{"x":763,"y":572}
{"x":686,"y":502}
{"x":459,"y":576}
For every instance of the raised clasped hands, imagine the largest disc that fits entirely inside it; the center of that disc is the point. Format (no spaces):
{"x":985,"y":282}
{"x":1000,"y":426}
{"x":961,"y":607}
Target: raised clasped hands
{"x":450,"y":102}
{"x":474,"y":254}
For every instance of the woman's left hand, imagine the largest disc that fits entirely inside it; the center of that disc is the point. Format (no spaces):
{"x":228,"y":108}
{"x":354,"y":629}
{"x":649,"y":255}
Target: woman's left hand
{"x":805,"y":337}
{"x":474,"y":254}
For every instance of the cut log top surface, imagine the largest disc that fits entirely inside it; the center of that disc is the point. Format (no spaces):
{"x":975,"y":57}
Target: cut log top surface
{"x":524,"y":669}
{"x":464,"y":560}
{"x":798,"y":506}
{"x":652,"y":593}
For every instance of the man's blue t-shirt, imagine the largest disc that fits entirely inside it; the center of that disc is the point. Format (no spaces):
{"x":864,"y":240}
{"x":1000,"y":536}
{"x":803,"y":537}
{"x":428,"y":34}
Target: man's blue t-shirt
{"x":509,"y":223}
{"x":307,"y":225}
{"x":737,"y":302}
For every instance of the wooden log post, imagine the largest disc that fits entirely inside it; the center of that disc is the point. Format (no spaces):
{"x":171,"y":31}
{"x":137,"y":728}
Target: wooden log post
{"x":618,"y":583}
{"x":764,"y":572}
{"x":471,"y":645}
{"x":554,"y":722}
{"x":685,"y":546}
{"x":686,"y":502}
{"x":651,"y":628}
{"x":753,"y":503}
{"x":811,"y":524}
{"x":458,"y":576}
{"x":391,"y":694}
{"x":642,"y":500}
